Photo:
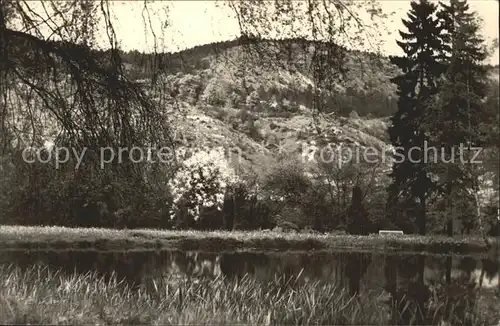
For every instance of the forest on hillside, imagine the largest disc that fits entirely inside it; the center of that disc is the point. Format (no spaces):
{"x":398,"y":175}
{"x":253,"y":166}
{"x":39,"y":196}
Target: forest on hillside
{"x":365,"y":86}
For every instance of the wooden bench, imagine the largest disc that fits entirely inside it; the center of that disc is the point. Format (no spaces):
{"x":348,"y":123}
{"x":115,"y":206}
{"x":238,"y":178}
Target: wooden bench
{"x":390,"y":232}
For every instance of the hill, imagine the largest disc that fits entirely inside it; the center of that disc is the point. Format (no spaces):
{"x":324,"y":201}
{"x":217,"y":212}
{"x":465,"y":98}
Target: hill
{"x":270,"y":95}
{"x":277,"y":68}
{"x":257,"y":94}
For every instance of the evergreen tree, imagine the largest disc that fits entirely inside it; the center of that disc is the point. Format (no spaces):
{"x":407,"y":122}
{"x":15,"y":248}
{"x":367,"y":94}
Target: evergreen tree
{"x":459,"y":112}
{"x":464,"y":86}
{"x":421,"y":67}
{"x":357,"y":216}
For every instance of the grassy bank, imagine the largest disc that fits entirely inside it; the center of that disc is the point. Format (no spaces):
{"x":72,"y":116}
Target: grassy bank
{"x":40,"y":296}
{"x":54,"y":238}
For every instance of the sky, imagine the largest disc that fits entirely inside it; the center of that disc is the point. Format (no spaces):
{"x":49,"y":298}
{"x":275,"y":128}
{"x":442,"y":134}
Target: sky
{"x":194,"y":23}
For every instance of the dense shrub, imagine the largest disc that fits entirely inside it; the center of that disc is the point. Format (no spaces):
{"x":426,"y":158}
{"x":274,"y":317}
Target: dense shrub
{"x":246,"y":209}
{"x":297,"y":199}
{"x":215,"y":93}
{"x":41,"y":194}
{"x":191,"y":88}
{"x":354,"y":115}
{"x":253,"y":102}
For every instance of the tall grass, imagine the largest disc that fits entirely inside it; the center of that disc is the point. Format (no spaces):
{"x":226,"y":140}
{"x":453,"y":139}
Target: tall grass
{"x":39,"y":296}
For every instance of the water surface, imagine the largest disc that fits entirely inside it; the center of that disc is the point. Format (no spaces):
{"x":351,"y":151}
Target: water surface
{"x":399,"y":280}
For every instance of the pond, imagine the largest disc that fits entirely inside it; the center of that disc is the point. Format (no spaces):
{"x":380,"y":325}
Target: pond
{"x":402,"y":281}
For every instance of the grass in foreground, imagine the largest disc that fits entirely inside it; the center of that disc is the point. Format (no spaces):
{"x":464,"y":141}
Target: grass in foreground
{"x":40,"y":296}
{"x":19,"y":237}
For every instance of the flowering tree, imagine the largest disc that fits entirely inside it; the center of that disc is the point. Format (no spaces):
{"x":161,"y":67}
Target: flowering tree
{"x":200,"y":185}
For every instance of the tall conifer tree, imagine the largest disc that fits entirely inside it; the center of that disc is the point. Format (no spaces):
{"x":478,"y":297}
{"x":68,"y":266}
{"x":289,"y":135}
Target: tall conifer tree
{"x":459,"y":112}
{"x":421,"y":66}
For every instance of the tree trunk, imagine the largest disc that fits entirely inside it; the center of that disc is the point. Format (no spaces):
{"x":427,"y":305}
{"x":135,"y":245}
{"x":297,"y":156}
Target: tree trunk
{"x":450,"y":210}
{"x":3,"y":97}
{"x":477,"y":202}
{"x":423,"y":217}
{"x":448,"y":269}
{"x":449,"y":227}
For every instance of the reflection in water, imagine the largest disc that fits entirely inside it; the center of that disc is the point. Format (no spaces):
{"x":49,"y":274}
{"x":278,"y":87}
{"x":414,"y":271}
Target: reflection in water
{"x":356,"y":266}
{"x":418,"y":289}
{"x":408,"y":292}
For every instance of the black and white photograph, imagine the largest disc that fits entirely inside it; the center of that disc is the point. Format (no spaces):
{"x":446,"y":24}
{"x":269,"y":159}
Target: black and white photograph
{"x":249,"y":162}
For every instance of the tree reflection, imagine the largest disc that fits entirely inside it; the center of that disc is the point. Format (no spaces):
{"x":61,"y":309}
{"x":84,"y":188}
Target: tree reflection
{"x":355,"y":268}
{"x":408,"y":293}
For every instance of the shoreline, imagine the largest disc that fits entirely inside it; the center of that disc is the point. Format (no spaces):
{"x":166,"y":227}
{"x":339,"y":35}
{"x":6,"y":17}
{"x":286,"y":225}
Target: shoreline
{"x":64,"y":238}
